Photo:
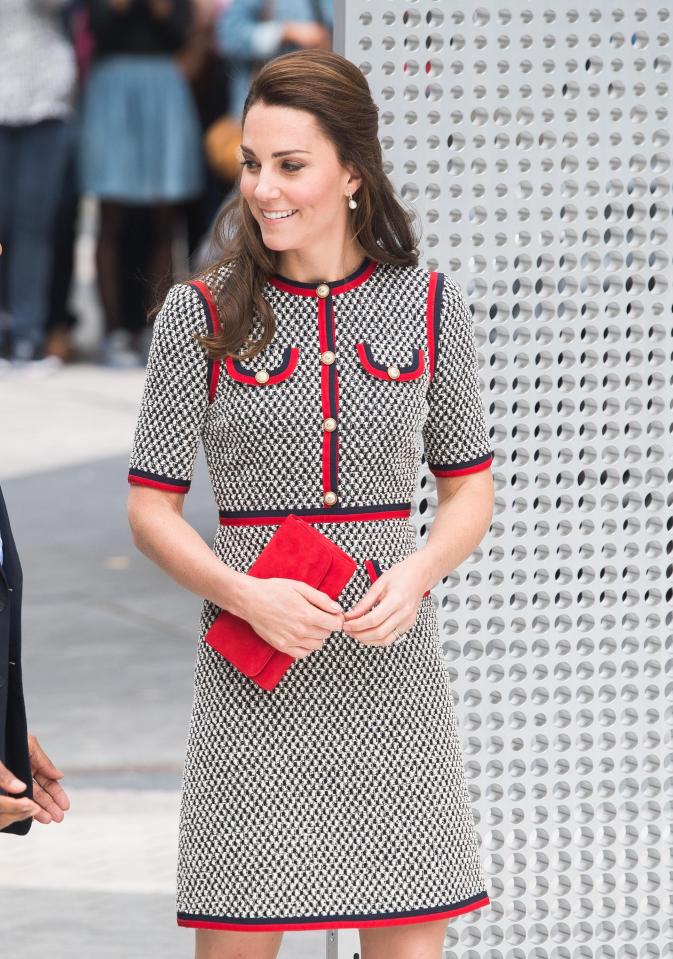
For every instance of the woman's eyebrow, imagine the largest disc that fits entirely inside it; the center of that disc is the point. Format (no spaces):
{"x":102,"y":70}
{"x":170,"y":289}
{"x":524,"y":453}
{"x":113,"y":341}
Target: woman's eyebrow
{"x":280,"y":153}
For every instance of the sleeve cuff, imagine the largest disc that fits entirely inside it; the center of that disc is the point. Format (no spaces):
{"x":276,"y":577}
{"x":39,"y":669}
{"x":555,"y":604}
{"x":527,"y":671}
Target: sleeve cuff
{"x":157,"y":481}
{"x":460,"y":469}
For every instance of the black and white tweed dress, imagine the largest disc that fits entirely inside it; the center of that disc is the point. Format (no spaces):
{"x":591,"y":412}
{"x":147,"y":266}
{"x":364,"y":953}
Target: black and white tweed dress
{"x":339,"y":798}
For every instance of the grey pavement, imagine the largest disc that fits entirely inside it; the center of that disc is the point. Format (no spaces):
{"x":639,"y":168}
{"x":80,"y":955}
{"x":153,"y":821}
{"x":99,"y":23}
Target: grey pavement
{"x":109,"y":645}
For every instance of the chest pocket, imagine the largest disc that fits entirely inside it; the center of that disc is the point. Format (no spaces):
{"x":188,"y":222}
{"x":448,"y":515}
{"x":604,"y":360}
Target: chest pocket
{"x":267,"y":370}
{"x":391,"y":363}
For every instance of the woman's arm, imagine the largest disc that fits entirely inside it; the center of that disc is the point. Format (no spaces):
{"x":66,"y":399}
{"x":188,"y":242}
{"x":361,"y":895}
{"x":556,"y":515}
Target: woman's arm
{"x":289,"y":614}
{"x":162,"y":534}
{"x":464,"y":511}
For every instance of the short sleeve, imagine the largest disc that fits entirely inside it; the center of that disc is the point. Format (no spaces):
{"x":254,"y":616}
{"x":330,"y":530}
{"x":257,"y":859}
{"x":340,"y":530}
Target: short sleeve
{"x":175,"y":395}
{"x":455,"y":433}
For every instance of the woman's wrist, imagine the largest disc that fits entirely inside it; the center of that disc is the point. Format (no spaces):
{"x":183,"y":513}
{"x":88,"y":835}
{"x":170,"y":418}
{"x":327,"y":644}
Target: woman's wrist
{"x":426,"y":566}
{"x":235,"y":592}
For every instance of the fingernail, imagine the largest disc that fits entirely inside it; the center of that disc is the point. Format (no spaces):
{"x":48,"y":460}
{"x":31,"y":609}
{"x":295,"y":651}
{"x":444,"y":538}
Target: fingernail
{"x":17,"y":784}
{"x":336,"y":607}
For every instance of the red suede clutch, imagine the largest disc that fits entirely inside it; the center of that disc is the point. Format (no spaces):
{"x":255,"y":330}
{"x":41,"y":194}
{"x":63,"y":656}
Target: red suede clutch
{"x":295,"y":551}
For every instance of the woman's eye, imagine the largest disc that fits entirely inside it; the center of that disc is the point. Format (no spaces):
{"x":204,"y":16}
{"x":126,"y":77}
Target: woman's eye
{"x":287,"y":165}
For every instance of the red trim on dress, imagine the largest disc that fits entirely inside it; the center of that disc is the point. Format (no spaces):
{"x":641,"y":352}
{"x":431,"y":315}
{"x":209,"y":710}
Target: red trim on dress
{"x":324,"y":394}
{"x":430,"y":323}
{"x":278,"y":377}
{"x":382,"y":372}
{"x":461,"y":471}
{"x":309,"y":289}
{"x":335,"y":923}
{"x":156,"y":484}
{"x":216,"y":326}
{"x":325,"y":516}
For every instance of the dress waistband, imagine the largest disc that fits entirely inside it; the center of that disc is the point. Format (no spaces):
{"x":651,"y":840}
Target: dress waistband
{"x":330,"y":514}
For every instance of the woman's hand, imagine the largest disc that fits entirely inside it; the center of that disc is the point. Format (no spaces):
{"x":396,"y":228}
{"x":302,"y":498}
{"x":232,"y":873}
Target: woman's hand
{"x":49,"y":799}
{"x":47,"y":792}
{"x":291,"y":615}
{"x":391,"y":602}
{"x":12,"y":809}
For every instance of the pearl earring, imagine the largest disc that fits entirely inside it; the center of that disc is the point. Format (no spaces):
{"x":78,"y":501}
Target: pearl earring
{"x":351,"y":202}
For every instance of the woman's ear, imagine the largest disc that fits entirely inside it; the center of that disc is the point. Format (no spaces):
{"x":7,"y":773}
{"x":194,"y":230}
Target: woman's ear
{"x":354,"y":180}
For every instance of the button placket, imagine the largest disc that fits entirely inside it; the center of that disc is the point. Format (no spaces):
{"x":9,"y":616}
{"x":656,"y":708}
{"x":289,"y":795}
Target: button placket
{"x":329,"y":393}
{"x":329,"y":385}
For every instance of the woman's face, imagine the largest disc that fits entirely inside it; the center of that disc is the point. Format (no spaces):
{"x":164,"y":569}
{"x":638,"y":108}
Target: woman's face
{"x":308,"y":179}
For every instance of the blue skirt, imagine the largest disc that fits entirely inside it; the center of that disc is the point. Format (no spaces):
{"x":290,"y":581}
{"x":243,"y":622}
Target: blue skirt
{"x":141,"y":137}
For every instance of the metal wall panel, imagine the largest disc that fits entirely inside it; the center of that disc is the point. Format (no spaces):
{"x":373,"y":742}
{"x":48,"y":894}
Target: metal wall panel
{"x":534,"y":142}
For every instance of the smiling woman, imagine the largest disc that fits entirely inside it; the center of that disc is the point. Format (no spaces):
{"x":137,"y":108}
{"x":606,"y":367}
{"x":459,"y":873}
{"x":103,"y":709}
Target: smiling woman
{"x":310,"y":360}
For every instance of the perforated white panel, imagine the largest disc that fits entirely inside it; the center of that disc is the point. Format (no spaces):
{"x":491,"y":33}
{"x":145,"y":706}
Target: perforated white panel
{"x":535,"y":145}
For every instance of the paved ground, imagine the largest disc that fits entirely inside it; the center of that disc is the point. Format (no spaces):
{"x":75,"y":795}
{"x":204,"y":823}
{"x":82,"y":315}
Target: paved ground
{"x":108,"y":658}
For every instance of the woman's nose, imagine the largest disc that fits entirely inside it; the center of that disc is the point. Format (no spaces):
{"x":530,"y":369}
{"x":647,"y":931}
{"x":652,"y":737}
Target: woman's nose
{"x":265,"y":189}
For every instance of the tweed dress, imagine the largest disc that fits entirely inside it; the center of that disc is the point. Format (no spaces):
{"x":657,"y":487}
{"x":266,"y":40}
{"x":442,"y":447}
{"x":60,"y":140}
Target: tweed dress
{"x":337,"y":799}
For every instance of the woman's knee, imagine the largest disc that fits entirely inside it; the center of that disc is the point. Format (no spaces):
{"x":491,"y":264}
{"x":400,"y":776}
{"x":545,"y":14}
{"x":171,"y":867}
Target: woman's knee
{"x":229,"y":944}
{"x":413,"y":940}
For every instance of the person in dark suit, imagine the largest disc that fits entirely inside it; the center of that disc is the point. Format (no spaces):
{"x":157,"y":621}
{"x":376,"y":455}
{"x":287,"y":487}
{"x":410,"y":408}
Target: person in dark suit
{"x":29,"y":787}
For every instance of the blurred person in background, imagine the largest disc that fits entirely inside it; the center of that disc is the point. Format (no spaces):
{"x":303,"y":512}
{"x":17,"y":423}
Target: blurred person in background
{"x":207,"y":72}
{"x":61,"y":320}
{"x":140,"y":145}
{"x":37,"y":86}
{"x":249,"y":32}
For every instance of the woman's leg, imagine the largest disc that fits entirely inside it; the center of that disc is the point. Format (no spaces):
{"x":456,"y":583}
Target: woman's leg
{"x":36,"y":191}
{"x":227,"y":944}
{"x":108,"y":262}
{"x":413,"y":940}
{"x":160,"y":264}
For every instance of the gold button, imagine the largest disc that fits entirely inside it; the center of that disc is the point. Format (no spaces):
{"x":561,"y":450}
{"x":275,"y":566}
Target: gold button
{"x":327,"y":357}
{"x":393,"y":371}
{"x":322,"y":290}
{"x":329,"y":423}
{"x":330,"y":498}
{"x":262,"y":376}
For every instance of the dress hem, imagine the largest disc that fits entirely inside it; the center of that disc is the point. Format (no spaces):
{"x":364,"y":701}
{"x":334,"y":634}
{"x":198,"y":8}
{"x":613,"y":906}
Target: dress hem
{"x":332,"y":922}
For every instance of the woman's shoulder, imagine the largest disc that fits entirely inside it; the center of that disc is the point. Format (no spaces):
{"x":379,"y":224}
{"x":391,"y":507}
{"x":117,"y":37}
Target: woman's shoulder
{"x":408,"y":276}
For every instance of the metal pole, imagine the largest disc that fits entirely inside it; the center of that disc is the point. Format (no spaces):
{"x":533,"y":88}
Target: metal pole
{"x":332,"y":944}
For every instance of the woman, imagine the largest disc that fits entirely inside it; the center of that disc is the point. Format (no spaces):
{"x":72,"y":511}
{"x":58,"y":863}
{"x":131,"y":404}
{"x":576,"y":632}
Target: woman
{"x":141,"y":146}
{"x":338,"y":799}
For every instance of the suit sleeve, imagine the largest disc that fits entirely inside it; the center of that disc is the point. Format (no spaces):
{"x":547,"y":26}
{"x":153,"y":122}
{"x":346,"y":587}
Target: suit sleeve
{"x":175,"y":395}
{"x":455,"y":433}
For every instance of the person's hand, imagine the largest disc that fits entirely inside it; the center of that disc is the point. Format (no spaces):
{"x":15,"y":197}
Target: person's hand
{"x":391,"y":601}
{"x":12,"y":809}
{"x":307,"y":34}
{"x":51,"y":798}
{"x":291,"y":615}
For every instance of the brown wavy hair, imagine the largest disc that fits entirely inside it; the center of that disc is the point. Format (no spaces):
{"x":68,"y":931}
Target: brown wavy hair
{"x":336,"y":92}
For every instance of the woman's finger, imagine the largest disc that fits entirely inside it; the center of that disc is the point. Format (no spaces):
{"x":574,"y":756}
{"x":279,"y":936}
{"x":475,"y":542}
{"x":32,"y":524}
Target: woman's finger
{"x":40,"y":762}
{"x":9,"y":782}
{"x":14,"y":810}
{"x":55,"y":790}
{"x":44,"y":800}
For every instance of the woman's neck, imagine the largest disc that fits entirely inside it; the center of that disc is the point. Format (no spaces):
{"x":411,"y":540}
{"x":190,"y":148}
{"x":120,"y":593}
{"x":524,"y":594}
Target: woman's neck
{"x":298,"y":267}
